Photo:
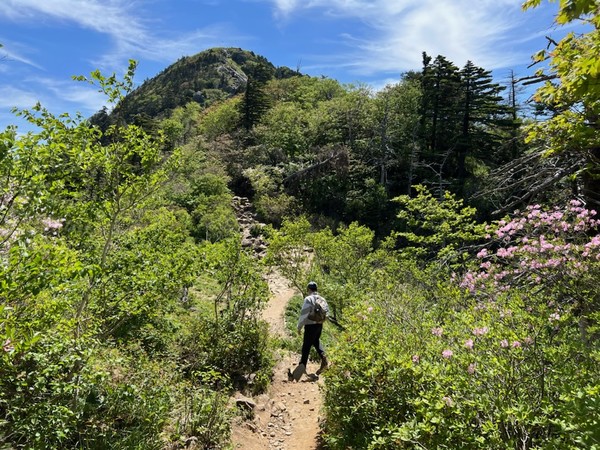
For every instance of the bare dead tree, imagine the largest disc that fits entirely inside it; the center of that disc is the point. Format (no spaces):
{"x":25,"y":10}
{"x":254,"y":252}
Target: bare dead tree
{"x":524,"y":179}
{"x":335,"y":158}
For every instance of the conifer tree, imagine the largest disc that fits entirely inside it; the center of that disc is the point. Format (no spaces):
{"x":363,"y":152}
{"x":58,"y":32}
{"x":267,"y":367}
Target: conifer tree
{"x":440,"y":117}
{"x":484,"y":117}
{"x":254,"y":103}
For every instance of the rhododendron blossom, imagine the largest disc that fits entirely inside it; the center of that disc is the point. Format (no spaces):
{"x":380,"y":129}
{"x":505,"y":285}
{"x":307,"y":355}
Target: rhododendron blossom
{"x":8,"y":347}
{"x":480,"y":331}
{"x":535,"y":246}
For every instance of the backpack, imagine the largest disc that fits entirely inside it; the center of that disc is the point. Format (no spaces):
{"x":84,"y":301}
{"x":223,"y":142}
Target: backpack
{"x":319,"y":309}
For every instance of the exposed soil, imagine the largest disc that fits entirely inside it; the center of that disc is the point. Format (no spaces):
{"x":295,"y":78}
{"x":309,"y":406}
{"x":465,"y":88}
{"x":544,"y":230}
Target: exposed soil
{"x":286,"y":417}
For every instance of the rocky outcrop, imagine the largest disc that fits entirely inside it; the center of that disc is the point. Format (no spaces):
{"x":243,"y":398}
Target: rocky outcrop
{"x":250,"y":228}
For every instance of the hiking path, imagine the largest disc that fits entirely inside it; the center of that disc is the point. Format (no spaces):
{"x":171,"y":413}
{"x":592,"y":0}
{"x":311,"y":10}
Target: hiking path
{"x":288,"y":415}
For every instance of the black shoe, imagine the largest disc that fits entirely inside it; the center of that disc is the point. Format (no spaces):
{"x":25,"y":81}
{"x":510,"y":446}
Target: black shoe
{"x":312,"y":377}
{"x":324,"y":365}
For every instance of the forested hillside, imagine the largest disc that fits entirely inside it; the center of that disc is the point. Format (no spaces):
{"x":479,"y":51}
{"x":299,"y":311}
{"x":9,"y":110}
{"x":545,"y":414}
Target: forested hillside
{"x":455,"y":238}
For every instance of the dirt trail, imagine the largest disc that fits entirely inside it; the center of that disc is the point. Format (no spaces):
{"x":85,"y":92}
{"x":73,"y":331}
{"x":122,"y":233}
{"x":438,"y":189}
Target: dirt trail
{"x":287,"y":416}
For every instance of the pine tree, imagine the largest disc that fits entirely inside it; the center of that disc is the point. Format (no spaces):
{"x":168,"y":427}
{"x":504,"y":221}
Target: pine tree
{"x":254,"y":104}
{"x":440,"y":116}
{"x":486,"y":118}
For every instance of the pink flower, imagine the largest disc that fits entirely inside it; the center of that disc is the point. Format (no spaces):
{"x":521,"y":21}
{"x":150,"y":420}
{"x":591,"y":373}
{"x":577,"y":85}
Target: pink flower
{"x":469,"y":344}
{"x":51,"y":224}
{"x":482,"y":253}
{"x":553,"y":317}
{"x":7,"y":346}
{"x":480,"y":331}
{"x":528,"y":340}
{"x":471,"y":368}
{"x":448,"y":401}
{"x":437,"y":331}
{"x":515,"y":344}
{"x":447,"y":354}
{"x":416,"y":359}
{"x":504,"y":343}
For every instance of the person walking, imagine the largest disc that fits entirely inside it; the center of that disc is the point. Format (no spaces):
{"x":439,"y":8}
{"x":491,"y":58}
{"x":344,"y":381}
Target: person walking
{"x":311,"y":319}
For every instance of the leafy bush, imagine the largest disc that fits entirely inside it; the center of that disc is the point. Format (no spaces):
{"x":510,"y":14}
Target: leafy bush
{"x":501,"y":361}
{"x":96,"y":281}
{"x":486,"y":376}
{"x":202,"y":415}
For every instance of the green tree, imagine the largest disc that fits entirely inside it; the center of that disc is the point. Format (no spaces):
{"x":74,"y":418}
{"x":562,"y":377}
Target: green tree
{"x":484,"y":118}
{"x":572,"y":88}
{"x":254,"y":103}
{"x":397,"y":121}
{"x":437,"y":229}
{"x":440,"y":119}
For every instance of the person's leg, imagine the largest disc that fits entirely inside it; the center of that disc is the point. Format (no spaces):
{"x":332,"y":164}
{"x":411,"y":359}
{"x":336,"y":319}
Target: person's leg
{"x":317,"y":340}
{"x":321,"y":351}
{"x":311,"y":337}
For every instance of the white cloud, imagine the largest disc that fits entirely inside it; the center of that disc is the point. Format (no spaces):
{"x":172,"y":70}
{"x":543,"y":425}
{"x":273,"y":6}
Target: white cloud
{"x":121,"y":20}
{"x":107,"y":16}
{"x":400,"y":30}
{"x":63,"y":95}
{"x":57,"y":97}
{"x":14,"y":51}
{"x":12,"y":97}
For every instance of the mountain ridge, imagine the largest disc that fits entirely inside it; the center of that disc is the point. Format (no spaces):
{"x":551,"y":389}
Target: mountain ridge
{"x":209,"y":76}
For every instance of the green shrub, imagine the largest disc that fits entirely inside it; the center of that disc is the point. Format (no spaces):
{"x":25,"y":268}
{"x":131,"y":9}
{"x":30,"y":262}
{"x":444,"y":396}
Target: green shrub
{"x":492,"y":375}
{"x":201,"y":413}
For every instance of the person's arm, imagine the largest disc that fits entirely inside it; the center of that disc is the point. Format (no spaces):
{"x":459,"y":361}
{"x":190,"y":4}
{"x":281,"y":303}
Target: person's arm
{"x":303,"y":319}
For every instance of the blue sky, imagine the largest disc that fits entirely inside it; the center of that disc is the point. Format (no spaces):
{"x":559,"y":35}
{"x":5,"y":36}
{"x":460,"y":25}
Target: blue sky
{"x":46,"y":42}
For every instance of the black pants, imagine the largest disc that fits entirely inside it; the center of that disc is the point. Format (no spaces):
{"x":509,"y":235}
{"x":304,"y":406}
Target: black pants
{"x":312,"y":333}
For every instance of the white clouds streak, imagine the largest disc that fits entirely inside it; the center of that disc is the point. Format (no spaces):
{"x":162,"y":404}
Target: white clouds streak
{"x":132,"y":36}
{"x":53,"y":95}
{"x":400,"y":30}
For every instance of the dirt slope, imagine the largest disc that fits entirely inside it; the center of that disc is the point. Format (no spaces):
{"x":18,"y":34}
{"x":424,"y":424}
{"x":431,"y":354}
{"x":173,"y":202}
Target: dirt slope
{"x":287,"y":416}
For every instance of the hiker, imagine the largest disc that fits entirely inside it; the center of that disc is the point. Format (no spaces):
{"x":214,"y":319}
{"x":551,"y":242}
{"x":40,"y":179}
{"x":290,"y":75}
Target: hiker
{"x":312,"y":330}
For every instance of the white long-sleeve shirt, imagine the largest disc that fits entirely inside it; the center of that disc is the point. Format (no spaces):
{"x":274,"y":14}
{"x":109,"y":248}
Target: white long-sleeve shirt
{"x":309,"y":301}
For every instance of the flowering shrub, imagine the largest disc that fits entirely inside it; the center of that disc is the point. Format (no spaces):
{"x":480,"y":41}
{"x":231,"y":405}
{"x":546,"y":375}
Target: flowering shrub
{"x":554,"y":253}
{"x":492,"y":376}
{"x":506,"y":358}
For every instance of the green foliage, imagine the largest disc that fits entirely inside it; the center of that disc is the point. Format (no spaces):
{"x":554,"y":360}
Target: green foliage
{"x":510,"y":363}
{"x":492,"y":375}
{"x":234,"y":341}
{"x":341,"y":263}
{"x":285,"y":126}
{"x":254,"y":104}
{"x":97,"y":276}
{"x":204,"y":414}
{"x":271,"y":205}
{"x":220,"y":119}
{"x":288,"y":251}
{"x":438,"y":228}
{"x":571,"y":89}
